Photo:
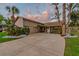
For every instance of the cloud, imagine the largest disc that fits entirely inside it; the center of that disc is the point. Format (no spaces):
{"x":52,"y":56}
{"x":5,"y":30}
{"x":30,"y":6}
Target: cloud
{"x":43,"y":17}
{"x":45,"y":13}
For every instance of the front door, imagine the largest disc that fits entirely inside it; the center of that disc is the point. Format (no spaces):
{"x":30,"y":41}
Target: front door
{"x":41,"y":29}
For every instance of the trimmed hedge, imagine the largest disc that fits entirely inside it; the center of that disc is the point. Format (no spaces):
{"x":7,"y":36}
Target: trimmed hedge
{"x":17,"y":30}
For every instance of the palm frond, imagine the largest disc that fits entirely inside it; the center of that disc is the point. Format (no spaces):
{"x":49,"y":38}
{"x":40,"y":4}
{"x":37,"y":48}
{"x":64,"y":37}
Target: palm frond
{"x":15,"y":10}
{"x":8,"y":8}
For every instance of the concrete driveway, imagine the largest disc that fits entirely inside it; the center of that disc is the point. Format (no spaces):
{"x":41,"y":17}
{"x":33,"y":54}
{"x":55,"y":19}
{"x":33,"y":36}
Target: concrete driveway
{"x":39,"y":44}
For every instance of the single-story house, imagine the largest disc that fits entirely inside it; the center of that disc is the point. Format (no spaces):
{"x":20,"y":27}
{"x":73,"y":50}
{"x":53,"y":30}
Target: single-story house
{"x":35,"y":26}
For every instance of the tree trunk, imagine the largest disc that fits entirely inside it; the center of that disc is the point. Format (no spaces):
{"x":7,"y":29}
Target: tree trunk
{"x":13,"y":19}
{"x":69,"y":15}
{"x":64,"y":20}
{"x":57,"y":12}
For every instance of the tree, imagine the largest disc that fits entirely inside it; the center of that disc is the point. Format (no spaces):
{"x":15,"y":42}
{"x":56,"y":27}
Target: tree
{"x":57,"y":14}
{"x":71,"y":16}
{"x":70,"y":8}
{"x":1,"y":19}
{"x":13,"y":10}
{"x":74,"y":19}
{"x":8,"y":22}
{"x":64,"y":19}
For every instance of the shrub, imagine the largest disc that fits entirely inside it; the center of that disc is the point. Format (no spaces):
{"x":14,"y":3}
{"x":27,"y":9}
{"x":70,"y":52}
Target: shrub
{"x":17,"y":30}
{"x":3,"y":33}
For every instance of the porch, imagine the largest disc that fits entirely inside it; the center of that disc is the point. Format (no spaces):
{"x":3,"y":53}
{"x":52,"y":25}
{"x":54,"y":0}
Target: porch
{"x":50,"y":29}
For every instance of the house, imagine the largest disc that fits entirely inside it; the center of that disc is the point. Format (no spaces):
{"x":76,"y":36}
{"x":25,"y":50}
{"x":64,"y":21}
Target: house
{"x":36,"y":26}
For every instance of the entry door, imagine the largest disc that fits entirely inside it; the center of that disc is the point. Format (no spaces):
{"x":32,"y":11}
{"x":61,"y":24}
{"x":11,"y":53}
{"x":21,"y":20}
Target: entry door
{"x":42,"y":29}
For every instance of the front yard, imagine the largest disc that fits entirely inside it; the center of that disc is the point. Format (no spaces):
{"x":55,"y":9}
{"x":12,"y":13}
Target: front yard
{"x":12,"y":33}
{"x":72,"y":47}
{"x":4,"y":39}
{"x":72,"y":43}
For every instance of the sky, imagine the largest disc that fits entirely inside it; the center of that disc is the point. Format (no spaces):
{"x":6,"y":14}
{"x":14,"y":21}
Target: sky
{"x":23,"y":8}
{"x":29,"y":9}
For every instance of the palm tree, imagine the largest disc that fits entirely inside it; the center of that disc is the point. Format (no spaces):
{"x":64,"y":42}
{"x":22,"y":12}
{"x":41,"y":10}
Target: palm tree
{"x":13,"y":10}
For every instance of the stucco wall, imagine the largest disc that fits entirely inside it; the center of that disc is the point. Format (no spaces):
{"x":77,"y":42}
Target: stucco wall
{"x":19,"y":22}
{"x":32,"y":26}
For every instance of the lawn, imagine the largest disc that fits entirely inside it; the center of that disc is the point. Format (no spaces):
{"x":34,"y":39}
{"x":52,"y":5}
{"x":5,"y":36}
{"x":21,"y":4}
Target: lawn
{"x":4,"y":39}
{"x":72,"y":47}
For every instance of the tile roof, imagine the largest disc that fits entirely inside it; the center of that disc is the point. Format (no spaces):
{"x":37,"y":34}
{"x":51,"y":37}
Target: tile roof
{"x":43,"y":21}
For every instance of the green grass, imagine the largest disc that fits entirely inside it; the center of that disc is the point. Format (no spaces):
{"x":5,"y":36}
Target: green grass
{"x":3,"y":33}
{"x":72,"y":47}
{"x":5,"y":39}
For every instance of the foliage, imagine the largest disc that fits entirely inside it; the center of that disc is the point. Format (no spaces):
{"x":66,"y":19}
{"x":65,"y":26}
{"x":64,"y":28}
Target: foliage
{"x":8,"y":22}
{"x":1,"y":18}
{"x":3,"y":33}
{"x":74,"y":31}
{"x":17,"y":30}
{"x":12,"y":10}
{"x":74,"y":19}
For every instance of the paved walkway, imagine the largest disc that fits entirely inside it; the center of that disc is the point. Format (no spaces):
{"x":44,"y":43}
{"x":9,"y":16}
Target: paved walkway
{"x":39,"y":44}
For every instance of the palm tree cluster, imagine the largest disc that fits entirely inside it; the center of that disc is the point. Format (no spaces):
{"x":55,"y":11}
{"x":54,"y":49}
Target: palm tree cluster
{"x":13,"y":11}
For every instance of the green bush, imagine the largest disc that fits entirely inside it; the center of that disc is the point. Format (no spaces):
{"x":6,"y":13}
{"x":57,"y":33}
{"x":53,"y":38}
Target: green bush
{"x":72,"y":34}
{"x":3,"y":33}
{"x":17,"y":30}
{"x":74,"y":31}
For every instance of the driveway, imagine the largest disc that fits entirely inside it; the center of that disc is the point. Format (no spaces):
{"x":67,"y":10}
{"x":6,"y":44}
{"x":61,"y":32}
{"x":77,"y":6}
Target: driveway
{"x":39,"y":44}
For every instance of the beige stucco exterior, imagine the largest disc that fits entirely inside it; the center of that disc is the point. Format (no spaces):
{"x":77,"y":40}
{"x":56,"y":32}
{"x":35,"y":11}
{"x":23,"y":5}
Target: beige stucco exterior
{"x":19,"y":22}
{"x":34,"y":28}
